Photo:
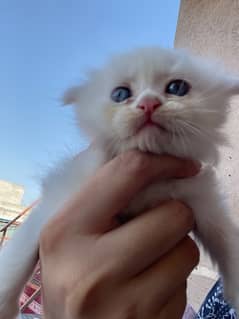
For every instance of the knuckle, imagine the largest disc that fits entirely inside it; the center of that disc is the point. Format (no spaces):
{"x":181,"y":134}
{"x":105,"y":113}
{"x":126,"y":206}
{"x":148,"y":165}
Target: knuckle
{"x":135,"y":162}
{"x":195,"y":253}
{"x":184,"y":300}
{"x":183,"y":214}
{"x":131,"y":311}
{"x":82,"y":297}
{"x":44,"y":239}
{"x":50,"y":237}
{"x":192,"y":251}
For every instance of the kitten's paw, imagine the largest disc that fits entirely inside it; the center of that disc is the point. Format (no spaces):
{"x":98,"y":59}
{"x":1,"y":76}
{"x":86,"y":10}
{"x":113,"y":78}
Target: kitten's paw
{"x":8,"y":309}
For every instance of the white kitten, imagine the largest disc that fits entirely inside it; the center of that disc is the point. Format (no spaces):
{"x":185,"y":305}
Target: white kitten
{"x":156,"y":100}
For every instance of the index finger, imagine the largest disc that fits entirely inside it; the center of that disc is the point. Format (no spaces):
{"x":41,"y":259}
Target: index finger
{"x":111,"y":189}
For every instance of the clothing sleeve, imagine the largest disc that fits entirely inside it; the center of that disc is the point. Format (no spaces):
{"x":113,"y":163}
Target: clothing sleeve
{"x":215,"y":306}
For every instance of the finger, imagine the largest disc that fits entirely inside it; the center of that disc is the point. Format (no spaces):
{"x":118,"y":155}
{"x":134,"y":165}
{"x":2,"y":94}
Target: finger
{"x":140,"y":242}
{"x":162,"y":279}
{"x":116,"y":183}
{"x":175,"y":307}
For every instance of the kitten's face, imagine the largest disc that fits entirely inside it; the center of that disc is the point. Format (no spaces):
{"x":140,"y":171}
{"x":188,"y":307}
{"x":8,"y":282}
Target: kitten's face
{"x":155,"y":100}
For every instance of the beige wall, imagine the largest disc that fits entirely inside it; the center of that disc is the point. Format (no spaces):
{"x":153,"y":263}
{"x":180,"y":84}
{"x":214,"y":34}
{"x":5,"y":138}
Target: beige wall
{"x":211,"y":28}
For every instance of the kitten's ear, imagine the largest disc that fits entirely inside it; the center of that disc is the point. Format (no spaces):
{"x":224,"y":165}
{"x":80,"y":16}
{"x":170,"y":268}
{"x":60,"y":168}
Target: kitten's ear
{"x":71,"y":96}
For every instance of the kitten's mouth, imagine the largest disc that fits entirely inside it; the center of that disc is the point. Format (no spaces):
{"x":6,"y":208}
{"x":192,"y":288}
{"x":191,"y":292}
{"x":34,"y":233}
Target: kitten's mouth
{"x":150,"y":123}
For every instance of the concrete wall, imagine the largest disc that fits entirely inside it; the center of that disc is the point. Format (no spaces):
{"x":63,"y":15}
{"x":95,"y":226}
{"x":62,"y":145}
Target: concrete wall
{"x":10,"y":200}
{"x":211,"y":28}
{"x":10,"y":192}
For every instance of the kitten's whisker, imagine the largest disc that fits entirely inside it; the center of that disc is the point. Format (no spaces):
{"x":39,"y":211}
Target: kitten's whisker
{"x":186,"y":139}
{"x":181,"y":135}
{"x":174,"y":134}
{"x":192,"y":128}
{"x":197,"y":129}
{"x":198,"y":132}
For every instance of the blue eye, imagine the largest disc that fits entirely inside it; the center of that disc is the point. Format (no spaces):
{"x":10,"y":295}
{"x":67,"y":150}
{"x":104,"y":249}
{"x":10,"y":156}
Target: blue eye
{"x":120,"y":94}
{"x":177,"y":87}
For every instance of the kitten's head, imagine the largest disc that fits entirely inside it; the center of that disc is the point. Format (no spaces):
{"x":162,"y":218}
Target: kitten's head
{"x":156,"y":100}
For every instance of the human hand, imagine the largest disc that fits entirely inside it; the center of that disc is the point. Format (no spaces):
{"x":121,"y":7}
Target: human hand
{"x":94,"y":268}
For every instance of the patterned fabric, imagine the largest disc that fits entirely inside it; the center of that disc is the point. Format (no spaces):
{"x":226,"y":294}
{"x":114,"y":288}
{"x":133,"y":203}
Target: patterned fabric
{"x":35,"y":306}
{"x":215,"y":307}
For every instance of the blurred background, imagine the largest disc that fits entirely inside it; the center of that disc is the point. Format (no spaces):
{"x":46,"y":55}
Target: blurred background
{"x":46,"y":46}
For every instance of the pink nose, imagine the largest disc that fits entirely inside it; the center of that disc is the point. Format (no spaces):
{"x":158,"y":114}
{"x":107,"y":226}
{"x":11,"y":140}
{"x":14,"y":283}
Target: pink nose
{"x":149,"y":104}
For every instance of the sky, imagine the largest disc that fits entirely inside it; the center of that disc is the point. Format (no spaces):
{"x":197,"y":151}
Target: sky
{"x":46,"y":46}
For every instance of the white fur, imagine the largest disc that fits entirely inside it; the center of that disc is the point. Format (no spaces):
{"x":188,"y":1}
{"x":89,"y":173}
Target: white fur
{"x":194,"y":129}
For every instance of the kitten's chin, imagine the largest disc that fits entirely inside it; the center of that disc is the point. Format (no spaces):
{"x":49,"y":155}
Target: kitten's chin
{"x":153,"y":140}
{"x":149,"y":138}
